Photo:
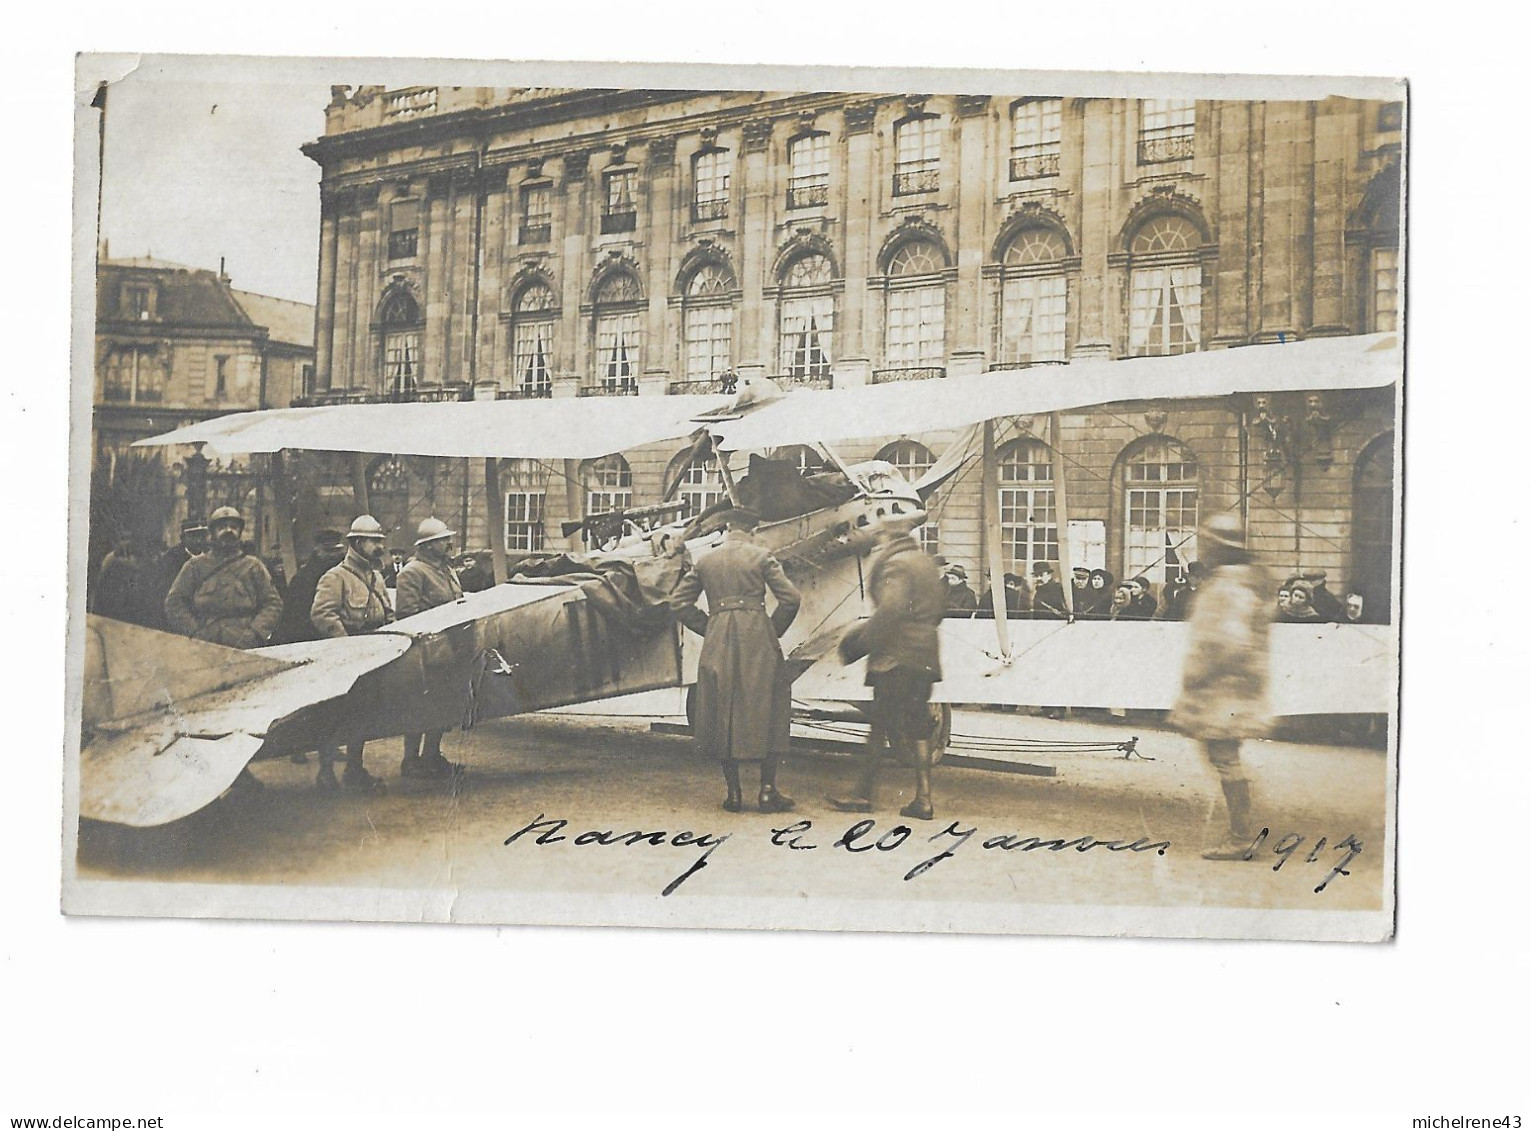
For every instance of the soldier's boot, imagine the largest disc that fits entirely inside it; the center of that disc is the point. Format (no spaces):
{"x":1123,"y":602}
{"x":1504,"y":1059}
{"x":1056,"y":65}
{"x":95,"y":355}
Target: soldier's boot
{"x":411,"y":766}
{"x":327,"y":782}
{"x":355,"y":777}
{"x":772,"y":800}
{"x":921,"y":808}
{"x":1239,"y":843}
{"x":432,"y":763}
{"x":734,"y":802}
{"x":860,"y":800}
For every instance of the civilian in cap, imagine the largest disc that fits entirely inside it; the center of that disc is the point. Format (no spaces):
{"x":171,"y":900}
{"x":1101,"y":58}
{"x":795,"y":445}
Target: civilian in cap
{"x":1143,"y":604}
{"x":1177,"y":592}
{"x":960,"y":598}
{"x":902,"y":646}
{"x":1299,"y":607}
{"x":193,"y":542}
{"x":426,"y":581}
{"x":298,"y":602}
{"x":743,"y":695}
{"x":1224,"y":683}
{"x":1325,"y":603}
{"x":352,"y":600}
{"x":1017,"y":598}
{"x":1047,"y":601}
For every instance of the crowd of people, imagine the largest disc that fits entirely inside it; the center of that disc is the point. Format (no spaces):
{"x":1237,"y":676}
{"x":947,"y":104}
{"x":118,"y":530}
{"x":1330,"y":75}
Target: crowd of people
{"x":1097,"y":595}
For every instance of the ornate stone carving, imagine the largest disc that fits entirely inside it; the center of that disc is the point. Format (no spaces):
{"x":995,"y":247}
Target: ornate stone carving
{"x":619,"y":153}
{"x":662,"y":151}
{"x":1156,"y":418}
{"x":915,"y":103}
{"x":534,"y":169}
{"x":859,"y":117}
{"x":972,"y":105}
{"x":757,"y":135}
{"x":709,"y":136}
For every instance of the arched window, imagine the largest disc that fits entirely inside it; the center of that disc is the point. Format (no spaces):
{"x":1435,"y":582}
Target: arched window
{"x":1036,"y":138}
{"x":532,"y":341}
{"x":806,"y":318}
{"x":1162,"y":508}
{"x":608,"y":485}
{"x":524,"y":482}
{"x":1382,"y":238}
{"x":808,"y":184}
{"x":707,"y":315}
{"x":1372,"y":531}
{"x":913,"y":460}
{"x":801,"y":456}
{"x":701,"y":483}
{"x":917,"y":155}
{"x":400,"y":319}
{"x":1028,"y":516}
{"x":388,"y":491}
{"x":1165,"y":314}
{"x":1033,"y":302}
{"x":916,"y":327}
{"x":618,"y":340}
{"x":712,"y":170}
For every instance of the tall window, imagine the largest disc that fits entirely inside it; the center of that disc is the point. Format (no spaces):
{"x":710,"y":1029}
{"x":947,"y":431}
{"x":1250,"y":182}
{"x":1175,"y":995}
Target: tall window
{"x":617,"y":337}
{"x":916,"y":330}
{"x":403,"y":229}
{"x":525,"y":484}
{"x":536,"y":213}
{"x":808,"y":184}
{"x":1165,"y":314}
{"x":1033,"y":309}
{"x":1384,"y":293}
{"x":708,"y":317}
{"x":1161,"y":509}
{"x":608,"y":485}
{"x":711,"y":172}
{"x":1167,"y":131}
{"x":221,"y":376}
{"x":807,"y":318}
{"x":1036,"y":138}
{"x":134,"y":374}
{"x":138,"y":302}
{"x":913,"y":460}
{"x":917,"y":156}
{"x":1028,"y":517}
{"x":532,"y":341}
{"x":400,"y":318}
{"x":620,"y":210}
{"x":701,"y":485}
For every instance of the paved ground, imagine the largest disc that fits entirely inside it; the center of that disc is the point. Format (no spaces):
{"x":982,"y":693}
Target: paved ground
{"x":606,"y":775}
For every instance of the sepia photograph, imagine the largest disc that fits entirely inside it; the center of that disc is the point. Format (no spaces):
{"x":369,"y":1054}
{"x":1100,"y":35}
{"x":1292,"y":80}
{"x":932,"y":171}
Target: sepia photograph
{"x":965,"y":503}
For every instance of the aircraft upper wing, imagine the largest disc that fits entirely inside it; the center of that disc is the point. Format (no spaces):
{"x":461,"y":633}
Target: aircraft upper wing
{"x":561,"y":428}
{"x":908,"y":408}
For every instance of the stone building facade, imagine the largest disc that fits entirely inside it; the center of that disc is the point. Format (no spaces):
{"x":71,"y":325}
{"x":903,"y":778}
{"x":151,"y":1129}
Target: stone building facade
{"x":484,"y":242}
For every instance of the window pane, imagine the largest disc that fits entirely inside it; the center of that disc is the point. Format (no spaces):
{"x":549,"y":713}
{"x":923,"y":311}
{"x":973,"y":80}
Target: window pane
{"x":709,"y":332}
{"x":1034,"y":319}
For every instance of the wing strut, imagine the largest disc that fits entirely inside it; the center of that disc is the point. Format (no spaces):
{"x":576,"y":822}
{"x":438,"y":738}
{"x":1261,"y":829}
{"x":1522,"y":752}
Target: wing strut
{"x":992,"y":539}
{"x":1061,"y":500}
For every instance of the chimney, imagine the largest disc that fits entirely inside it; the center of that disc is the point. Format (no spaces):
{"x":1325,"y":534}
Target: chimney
{"x":223,"y":276}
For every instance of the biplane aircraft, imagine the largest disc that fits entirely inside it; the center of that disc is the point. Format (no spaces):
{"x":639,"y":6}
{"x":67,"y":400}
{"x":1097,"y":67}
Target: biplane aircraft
{"x":169,"y":723}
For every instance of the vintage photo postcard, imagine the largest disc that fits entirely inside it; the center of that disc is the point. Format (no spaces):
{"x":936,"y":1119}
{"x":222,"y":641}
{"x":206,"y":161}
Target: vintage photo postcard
{"x":736,"y":497}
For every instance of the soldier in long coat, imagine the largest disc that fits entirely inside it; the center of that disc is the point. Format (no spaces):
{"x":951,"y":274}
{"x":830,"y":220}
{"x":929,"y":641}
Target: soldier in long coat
{"x":351,"y":600}
{"x":1225,"y":680}
{"x":743,"y":697}
{"x":902,"y":646}
{"x":426,"y":581}
{"x":225,"y":595}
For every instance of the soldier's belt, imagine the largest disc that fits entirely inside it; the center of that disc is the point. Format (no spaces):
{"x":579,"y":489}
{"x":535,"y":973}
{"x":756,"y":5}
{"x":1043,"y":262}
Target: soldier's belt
{"x":734,"y":604}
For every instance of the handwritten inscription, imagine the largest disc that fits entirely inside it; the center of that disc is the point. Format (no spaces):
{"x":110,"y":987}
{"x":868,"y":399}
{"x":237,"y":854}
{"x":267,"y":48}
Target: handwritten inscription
{"x":1286,"y":848}
{"x":551,"y":830}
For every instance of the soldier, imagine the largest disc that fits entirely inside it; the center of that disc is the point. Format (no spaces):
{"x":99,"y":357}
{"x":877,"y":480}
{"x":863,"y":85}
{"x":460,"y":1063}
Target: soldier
{"x":743,"y":699}
{"x":351,"y":600}
{"x":118,"y":591}
{"x":1227,"y":665}
{"x":225,"y":595}
{"x":425,"y":581}
{"x":903,"y":654}
{"x":168,"y":567}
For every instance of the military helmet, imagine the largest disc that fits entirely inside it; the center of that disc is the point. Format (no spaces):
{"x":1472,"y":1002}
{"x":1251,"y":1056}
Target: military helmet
{"x":431,"y":530}
{"x":366,"y":526}
{"x":225,"y":514}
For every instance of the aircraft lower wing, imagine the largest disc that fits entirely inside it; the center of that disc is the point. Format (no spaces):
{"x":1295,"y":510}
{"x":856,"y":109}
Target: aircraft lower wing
{"x":1315,"y":669}
{"x":169,"y":722}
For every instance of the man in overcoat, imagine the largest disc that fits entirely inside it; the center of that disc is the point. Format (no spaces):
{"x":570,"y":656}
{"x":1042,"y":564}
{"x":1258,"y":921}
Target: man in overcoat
{"x":743,"y":694}
{"x":352,"y":600}
{"x":1225,"y":680}
{"x":225,"y":595}
{"x":168,"y":567}
{"x":903,"y":652}
{"x":426,"y":581}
